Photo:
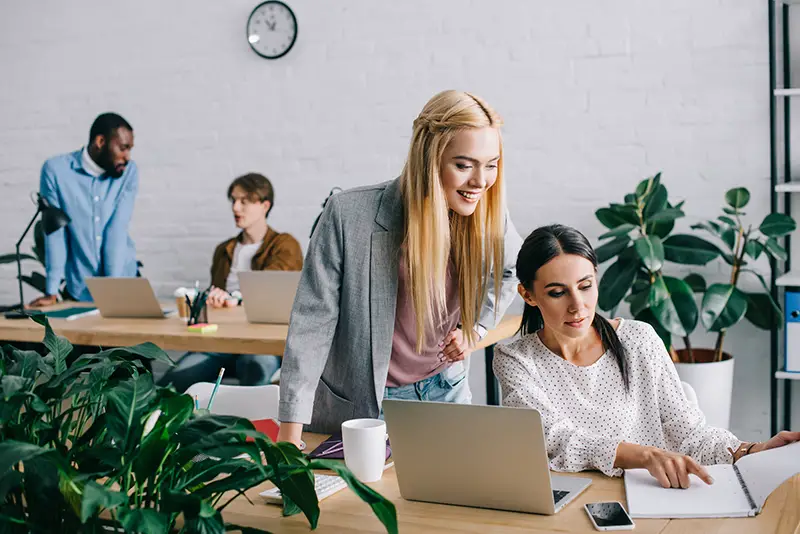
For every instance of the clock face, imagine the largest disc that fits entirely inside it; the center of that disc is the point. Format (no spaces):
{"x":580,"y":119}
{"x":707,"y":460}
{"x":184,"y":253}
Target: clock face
{"x":272,"y":29}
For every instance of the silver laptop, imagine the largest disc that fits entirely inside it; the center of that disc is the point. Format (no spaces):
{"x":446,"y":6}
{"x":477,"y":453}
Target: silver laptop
{"x":480,"y":456}
{"x":129,"y":298}
{"x":268,"y":296}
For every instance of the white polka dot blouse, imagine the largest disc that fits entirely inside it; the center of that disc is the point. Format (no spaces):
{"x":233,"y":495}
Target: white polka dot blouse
{"x":587,"y":413}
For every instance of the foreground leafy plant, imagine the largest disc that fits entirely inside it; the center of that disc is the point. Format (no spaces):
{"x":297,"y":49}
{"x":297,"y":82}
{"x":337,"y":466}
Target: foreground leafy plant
{"x":90,"y":442}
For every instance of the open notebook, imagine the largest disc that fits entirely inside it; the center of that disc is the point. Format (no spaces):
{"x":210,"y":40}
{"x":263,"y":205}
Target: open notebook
{"x":739,"y":490}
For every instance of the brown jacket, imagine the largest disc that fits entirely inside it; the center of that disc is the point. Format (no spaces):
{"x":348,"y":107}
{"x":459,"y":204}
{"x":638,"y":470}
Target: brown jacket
{"x":278,"y":252}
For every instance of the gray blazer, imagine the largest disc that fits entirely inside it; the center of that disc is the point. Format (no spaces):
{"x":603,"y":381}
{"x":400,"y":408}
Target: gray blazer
{"x":340,"y":333}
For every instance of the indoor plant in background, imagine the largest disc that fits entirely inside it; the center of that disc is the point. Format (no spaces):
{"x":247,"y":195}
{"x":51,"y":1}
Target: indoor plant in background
{"x":90,"y":444}
{"x":640,"y":241}
{"x":723,"y":305}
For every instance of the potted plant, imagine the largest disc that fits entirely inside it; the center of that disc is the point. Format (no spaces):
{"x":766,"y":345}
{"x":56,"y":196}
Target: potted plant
{"x":90,"y":444}
{"x":723,"y":305}
{"x":640,"y":241}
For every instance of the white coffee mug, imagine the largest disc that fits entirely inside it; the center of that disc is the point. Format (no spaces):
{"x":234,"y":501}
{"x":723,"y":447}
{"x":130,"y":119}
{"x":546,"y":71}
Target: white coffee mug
{"x":364,"y":442}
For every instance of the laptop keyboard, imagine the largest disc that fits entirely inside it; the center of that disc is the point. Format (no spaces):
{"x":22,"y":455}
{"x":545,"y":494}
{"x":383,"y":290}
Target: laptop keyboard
{"x":558,"y":495}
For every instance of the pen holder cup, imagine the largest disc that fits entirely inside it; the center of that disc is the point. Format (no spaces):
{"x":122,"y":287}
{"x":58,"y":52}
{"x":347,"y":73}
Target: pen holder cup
{"x":200,"y":318}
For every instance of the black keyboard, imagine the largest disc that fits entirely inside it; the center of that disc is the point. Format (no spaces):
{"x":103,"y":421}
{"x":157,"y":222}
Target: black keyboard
{"x":558,"y":495}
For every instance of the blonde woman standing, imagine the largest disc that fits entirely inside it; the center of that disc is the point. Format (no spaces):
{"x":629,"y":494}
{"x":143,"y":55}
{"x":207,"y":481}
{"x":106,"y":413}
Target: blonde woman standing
{"x":402,"y":278}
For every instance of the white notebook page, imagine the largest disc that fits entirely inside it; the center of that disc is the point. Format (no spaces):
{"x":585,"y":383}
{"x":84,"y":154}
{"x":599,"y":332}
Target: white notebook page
{"x":724,"y":498}
{"x":764,"y":471}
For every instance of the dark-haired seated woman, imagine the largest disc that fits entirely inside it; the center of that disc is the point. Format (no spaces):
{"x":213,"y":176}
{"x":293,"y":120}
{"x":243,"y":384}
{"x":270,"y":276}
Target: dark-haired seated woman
{"x":607,"y":391}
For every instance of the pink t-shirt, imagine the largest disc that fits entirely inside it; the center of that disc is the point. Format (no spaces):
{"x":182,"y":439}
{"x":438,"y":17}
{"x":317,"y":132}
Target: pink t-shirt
{"x":406,"y":365}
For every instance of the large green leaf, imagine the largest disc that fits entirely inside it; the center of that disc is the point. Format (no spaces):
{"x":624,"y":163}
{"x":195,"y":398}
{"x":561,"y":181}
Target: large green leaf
{"x":711,"y":227}
{"x":737,"y":198}
{"x":97,"y":498}
{"x":13,"y":452}
{"x":609,"y":218}
{"x":649,"y":317}
{"x":147,"y":351}
{"x":656,"y":202}
{"x":723,"y":306}
{"x":620,"y":230}
{"x":297,"y":489}
{"x":36,"y":280}
{"x":775,"y":250}
{"x":626,"y":212}
{"x":382,"y":507}
{"x":728,"y":235}
{"x":58,"y":346}
{"x":689,"y":249}
{"x":753,"y":248}
{"x":11,"y":385}
{"x":39,"y":241}
{"x":208,"y":522}
{"x":144,"y":521}
{"x":611,"y":249}
{"x":616,"y":281}
{"x":763,"y":305}
{"x":762,"y":311}
{"x":696,"y":282}
{"x":666,"y":215}
{"x":648,"y":185}
{"x":777,"y":225}
{"x":673,"y":305}
{"x":640,"y":301}
{"x":660,"y":228}
{"x":127,"y":404}
{"x":651,"y":252}
{"x":12,"y":258}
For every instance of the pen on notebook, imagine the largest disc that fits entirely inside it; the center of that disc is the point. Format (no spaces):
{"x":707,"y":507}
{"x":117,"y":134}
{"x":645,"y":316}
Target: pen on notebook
{"x":216,"y":386}
{"x":330,"y":450}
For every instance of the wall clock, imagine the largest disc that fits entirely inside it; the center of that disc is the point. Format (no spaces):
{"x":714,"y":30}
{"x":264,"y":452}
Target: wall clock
{"x":272,"y":29}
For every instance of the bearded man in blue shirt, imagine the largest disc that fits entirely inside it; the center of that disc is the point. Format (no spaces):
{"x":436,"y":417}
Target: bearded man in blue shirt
{"x":96,"y":186}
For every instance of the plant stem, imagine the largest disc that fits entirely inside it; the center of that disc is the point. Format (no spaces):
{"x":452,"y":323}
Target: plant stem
{"x":688,"y":343}
{"x":738,"y":258}
{"x":718,"y":349}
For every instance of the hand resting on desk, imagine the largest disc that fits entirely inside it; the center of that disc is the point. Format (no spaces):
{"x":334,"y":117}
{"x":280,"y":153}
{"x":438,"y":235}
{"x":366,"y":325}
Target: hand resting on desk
{"x":43,"y":301}
{"x":219,"y":298}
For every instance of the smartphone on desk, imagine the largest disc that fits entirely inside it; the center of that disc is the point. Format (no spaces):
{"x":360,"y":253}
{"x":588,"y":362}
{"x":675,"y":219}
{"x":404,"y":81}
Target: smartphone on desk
{"x":609,"y":516}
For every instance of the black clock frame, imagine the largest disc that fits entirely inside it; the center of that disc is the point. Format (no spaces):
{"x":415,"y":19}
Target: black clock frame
{"x":294,"y":19}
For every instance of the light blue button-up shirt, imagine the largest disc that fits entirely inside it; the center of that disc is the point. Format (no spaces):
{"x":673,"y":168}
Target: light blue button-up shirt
{"x":96,"y":242}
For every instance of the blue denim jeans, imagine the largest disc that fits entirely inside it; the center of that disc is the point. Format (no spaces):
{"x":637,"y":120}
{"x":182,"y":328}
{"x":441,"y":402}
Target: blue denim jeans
{"x":451,"y":385}
{"x":193,"y":367}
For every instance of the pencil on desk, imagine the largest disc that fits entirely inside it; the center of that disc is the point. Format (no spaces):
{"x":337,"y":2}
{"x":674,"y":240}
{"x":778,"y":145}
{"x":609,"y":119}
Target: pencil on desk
{"x":216,"y":386}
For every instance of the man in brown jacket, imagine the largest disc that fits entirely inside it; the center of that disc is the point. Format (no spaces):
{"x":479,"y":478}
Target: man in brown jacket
{"x":258,"y":247}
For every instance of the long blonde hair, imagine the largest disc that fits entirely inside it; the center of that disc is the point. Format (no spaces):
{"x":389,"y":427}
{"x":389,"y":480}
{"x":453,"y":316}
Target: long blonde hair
{"x":434,"y":234}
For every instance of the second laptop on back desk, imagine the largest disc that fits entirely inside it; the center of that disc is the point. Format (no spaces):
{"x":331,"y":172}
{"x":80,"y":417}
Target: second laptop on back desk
{"x":125,"y":298}
{"x":268,"y":296}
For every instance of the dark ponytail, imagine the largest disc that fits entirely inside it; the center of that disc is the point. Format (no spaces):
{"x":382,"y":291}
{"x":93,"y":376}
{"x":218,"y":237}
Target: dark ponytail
{"x":544,"y":244}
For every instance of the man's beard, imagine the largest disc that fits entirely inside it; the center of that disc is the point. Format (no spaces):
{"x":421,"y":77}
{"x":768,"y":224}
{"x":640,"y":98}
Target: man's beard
{"x":108,"y":165}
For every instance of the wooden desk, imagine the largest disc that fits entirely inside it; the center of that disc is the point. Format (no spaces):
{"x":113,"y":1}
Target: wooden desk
{"x":235,"y":335}
{"x":344,"y":512}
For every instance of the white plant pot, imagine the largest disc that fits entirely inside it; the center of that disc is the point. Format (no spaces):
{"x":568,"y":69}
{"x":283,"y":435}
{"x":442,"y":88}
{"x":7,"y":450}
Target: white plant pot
{"x":713,"y":383}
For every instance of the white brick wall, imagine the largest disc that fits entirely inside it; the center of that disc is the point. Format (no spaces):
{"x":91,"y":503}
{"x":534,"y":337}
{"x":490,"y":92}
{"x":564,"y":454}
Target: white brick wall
{"x":596,"y":95}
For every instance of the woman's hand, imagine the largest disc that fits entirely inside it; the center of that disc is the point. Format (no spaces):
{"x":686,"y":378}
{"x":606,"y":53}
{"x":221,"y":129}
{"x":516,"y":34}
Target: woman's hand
{"x":778,"y":440}
{"x":291,"y":432}
{"x":219,"y":298}
{"x":454,"y":347}
{"x":671,"y":469}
